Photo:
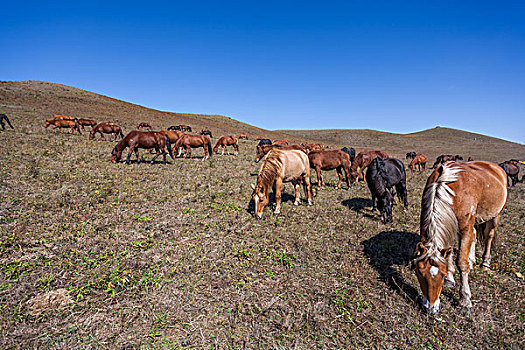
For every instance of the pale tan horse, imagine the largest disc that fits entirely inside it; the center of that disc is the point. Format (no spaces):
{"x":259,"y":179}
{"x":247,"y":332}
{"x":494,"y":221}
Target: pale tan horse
{"x":281,"y":166}
{"x":459,"y":202}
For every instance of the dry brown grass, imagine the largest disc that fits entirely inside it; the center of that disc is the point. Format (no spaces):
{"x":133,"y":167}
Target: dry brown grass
{"x":167,"y":256}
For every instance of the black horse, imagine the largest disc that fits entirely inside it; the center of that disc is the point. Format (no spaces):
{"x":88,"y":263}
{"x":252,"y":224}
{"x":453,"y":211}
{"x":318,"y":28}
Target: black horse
{"x":512,"y":171}
{"x":382,"y":176}
{"x":2,"y":118}
{"x":350,"y":151}
{"x":411,"y":155}
{"x":173,"y":127}
{"x":265,"y":142}
{"x":188,"y":128}
{"x":206,"y":132}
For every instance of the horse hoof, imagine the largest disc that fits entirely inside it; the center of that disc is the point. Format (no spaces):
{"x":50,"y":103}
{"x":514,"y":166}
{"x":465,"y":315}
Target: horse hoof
{"x":310,"y":203}
{"x":296,"y":203}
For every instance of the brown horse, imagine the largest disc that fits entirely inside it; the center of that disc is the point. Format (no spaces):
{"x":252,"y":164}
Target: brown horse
{"x":512,"y":170}
{"x":330,"y":160}
{"x":264,"y":149}
{"x":460,"y":202}
{"x":312,"y":146}
{"x":64,"y":117}
{"x":243,"y":137}
{"x":144,"y":125}
{"x":106,"y":128}
{"x":63,"y":123}
{"x":280,"y":142}
{"x":278,"y":167}
{"x":224,"y":142}
{"x":442,"y":159}
{"x":362,"y":160}
{"x":188,"y":142}
{"x":86,"y":122}
{"x":142,"y":139}
{"x":174,"y":135}
{"x":419,"y":160}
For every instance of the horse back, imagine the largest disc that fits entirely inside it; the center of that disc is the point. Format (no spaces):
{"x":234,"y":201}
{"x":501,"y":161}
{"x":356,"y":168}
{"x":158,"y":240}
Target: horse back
{"x":295,"y":164}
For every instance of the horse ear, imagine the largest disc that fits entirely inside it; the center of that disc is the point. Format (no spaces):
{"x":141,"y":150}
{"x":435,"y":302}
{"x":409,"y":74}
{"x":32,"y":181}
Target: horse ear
{"x":252,"y":186}
{"x":420,"y":249}
{"x":446,"y":252}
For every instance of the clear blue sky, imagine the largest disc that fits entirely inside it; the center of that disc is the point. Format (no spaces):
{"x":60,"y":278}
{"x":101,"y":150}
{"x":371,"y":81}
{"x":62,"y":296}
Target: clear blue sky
{"x":398,"y":67}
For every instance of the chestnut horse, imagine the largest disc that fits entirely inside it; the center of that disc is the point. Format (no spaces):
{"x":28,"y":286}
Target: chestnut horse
{"x":262,"y":150}
{"x":106,"y":128}
{"x":2,"y":118}
{"x":512,"y":170}
{"x":144,"y":125}
{"x":330,"y":160}
{"x":86,"y":122}
{"x":446,"y":158}
{"x":362,"y":160}
{"x":142,"y":139}
{"x":278,"y":167}
{"x":174,"y":135}
{"x":243,"y":137}
{"x":224,"y":142}
{"x":419,"y":160}
{"x":280,"y":142}
{"x":312,"y":146}
{"x":188,"y":142}
{"x":64,"y":117}
{"x":460,"y":202}
{"x":63,"y":123}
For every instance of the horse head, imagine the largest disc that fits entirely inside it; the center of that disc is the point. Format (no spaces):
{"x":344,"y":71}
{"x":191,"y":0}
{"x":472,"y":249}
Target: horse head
{"x":115,"y":154}
{"x":430,"y":266}
{"x":384,"y":205}
{"x":260,"y":199}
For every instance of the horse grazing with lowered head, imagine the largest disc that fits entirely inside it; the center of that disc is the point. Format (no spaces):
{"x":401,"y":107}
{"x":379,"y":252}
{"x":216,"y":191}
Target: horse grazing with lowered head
{"x":264,"y":149}
{"x":362,"y":160}
{"x":144,"y":125}
{"x":281,"y":166}
{"x":410,"y":155}
{"x":86,"y":122}
{"x":350,"y":151}
{"x":312,"y":146}
{"x":106,"y":128}
{"x":63,"y":123}
{"x":206,"y":131}
{"x":419,"y":160}
{"x":64,"y":117}
{"x":330,"y":160}
{"x":187,"y":142}
{"x":382,"y":176}
{"x":460,"y":202}
{"x":224,"y":142}
{"x":3,"y":120}
{"x":142,"y":139}
{"x":512,"y":170}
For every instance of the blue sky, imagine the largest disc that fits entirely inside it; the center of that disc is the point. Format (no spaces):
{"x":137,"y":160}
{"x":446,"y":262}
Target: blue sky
{"x":392,"y":66}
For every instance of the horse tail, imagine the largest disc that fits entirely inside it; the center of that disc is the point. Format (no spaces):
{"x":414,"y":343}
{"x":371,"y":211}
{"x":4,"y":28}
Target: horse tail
{"x":168,"y":146}
{"x":209,"y":146}
{"x":438,"y":222}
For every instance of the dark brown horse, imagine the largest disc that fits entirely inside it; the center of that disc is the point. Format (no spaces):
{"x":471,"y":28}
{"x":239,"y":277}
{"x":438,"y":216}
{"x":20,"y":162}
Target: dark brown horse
{"x":63,"y":123}
{"x":206,"y":131}
{"x":224,"y":142}
{"x":262,"y":150}
{"x":512,"y":170}
{"x":419,"y":160}
{"x":460,"y":202}
{"x":188,"y":142}
{"x":362,"y":160}
{"x":86,"y":122}
{"x":330,"y":160}
{"x":442,"y":159}
{"x":106,"y":128}
{"x":144,"y":125}
{"x":142,"y":139}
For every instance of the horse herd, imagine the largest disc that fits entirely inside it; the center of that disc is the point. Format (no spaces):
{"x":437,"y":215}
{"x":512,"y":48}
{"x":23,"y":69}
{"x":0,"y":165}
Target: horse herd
{"x":460,"y":201}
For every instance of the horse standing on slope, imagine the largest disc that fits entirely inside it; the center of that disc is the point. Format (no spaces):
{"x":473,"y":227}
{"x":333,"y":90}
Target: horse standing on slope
{"x":142,"y":139}
{"x":106,"y":128}
{"x":281,"y":166}
{"x":224,"y":142}
{"x":330,"y":160}
{"x":460,"y":201}
{"x":512,"y":170}
{"x":86,"y":122}
{"x":382,"y":176}
{"x":264,"y":149}
{"x":188,"y":142}
{"x":63,"y":123}
{"x":419,"y":160}
{"x":362,"y":160}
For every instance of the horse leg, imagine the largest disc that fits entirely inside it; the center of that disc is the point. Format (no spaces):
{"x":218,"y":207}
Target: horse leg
{"x":347,"y":172}
{"x":489,"y":233}
{"x":157,"y":154}
{"x":374,"y":202}
{"x":466,"y":251}
{"x":451,"y":269}
{"x":401,"y":189}
{"x":340,"y":174}
{"x":129,"y":155}
{"x":297,"y":188}
{"x":278,"y":187}
{"x":319,"y":177}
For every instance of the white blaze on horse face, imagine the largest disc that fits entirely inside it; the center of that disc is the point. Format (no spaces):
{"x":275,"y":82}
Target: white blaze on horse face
{"x":434,"y":271}
{"x":256,"y":200}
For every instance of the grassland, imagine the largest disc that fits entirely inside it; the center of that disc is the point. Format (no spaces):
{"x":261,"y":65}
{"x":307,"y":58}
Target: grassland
{"x":97,"y":255}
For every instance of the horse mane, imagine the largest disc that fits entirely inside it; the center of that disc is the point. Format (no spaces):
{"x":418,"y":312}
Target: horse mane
{"x":272,"y":164}
{"x":376,"y":171}
{"x":439,"y":224}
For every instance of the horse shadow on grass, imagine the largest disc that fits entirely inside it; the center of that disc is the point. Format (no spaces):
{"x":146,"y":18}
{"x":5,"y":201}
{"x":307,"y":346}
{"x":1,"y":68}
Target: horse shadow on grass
{"x":358,"y":204}
{"x":387,"y":250}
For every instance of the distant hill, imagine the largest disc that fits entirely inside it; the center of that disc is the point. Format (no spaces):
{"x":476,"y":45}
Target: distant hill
{"x":31,"y":102}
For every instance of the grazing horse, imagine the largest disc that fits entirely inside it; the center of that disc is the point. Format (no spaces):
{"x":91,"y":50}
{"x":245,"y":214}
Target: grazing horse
{"x":350,"y":151}
{"x":243,"y":137}
{"x":280,"y":142}
{"x":86,"y":122}
{"x":470,"y":159}
{"x":106,"y":128}
{"x":173,"y":127}
{"x":142,"y":139}
{"x":512,"y":170}
{"x":2,"y":118}
{"x":206,"y":131}
{"x":64,"y":117}
{"x":382,"y":176}
{"x":144,"y":125}
{"x":442,"y":159}
{"x":224,"y":142}
{"x":362,"y":160}
{"x":419,"y":160}
{"x":63,"y":123}
{"x":330,"y":160}
{"x":312,"y":146}
{"x":281,"y":166}
{"x":173,"y":135}
{"x":264,"y":149}
{"x":263,"y":142}
{"x":460,"y":202}
{"x":411,"y":155}
{"x":188,"y":142}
